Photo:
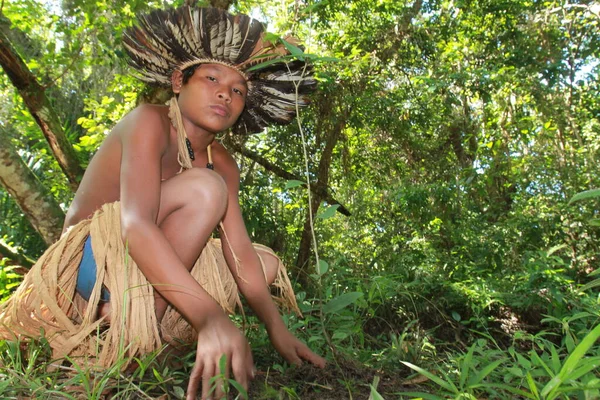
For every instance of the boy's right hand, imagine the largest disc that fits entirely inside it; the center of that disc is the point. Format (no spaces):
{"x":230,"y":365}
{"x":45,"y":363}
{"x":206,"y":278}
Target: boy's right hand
{"x":220,"y":336}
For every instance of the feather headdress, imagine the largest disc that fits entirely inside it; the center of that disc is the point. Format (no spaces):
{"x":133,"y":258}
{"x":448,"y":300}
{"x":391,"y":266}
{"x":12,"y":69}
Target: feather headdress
{"x":166,"y":40}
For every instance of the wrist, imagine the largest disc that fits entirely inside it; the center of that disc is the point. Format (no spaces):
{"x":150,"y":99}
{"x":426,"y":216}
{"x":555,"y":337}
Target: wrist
{"x":275,"y":325}
{"x":206,"y":316}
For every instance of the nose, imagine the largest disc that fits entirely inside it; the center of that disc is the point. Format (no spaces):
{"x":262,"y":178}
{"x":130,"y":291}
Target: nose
{"x":224,"y":95}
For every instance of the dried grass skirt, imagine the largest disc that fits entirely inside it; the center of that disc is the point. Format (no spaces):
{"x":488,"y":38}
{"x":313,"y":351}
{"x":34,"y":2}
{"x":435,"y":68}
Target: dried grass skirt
{"x":47,"y":304}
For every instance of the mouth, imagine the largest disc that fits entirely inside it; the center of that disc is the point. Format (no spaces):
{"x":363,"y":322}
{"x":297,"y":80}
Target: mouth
{"x":220,"y":110}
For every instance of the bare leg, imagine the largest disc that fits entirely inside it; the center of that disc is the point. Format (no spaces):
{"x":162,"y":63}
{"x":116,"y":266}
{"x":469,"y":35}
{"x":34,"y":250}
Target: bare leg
{"x":191,"y":206}
{"x":271,"y":266}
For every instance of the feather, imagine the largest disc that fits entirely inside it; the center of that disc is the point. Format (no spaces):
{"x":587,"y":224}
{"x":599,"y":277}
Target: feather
{"x":166,"y":40}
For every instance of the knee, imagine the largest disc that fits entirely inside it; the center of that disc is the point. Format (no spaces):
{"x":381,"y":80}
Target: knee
{"x":204,"y":189}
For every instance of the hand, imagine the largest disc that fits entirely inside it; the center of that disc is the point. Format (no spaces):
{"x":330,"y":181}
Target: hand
{"x":220,"y":336}
{"x":292,"y":349}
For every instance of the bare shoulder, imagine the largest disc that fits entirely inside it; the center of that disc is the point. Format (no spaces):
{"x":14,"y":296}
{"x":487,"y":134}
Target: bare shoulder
{"x":225,"y":164}
{"x":148,"y":121}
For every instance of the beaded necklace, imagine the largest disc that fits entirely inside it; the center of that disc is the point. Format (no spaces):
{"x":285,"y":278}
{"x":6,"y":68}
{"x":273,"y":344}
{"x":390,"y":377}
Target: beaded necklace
{"x":184,"y":158}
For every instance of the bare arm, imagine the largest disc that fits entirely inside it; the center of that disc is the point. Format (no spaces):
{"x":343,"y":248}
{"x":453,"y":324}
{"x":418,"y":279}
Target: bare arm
{"x":250,"y":277}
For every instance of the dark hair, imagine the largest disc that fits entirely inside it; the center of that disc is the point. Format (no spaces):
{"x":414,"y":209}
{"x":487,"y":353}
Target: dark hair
{"x":189,"y":72}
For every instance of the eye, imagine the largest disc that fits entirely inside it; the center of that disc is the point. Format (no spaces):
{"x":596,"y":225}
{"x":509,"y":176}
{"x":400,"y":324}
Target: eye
{"x":238,"y":91}
{"x":211,"y":78}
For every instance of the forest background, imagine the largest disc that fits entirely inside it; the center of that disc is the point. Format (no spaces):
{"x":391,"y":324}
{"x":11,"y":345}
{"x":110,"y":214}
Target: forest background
{"x":445,"y":147}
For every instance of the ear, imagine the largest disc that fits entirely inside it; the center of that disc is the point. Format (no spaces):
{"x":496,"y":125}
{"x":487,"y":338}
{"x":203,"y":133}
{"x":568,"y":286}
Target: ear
{"x":176,"y":81}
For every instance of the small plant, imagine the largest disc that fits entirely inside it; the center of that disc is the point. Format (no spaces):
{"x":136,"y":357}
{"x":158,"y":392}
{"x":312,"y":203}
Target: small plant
{"x":225,"y":382}
{"x":470,"y":372}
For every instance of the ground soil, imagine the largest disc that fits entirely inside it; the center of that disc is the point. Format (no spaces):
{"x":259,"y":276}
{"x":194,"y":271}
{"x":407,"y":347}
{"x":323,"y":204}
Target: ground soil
{"x":346,"y":379}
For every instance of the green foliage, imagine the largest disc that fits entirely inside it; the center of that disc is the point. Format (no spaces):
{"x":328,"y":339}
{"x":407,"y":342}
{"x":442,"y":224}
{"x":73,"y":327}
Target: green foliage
{"x":468,"y":139}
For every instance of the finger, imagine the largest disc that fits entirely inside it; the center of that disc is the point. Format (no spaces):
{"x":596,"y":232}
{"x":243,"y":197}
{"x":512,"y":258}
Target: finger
{"x":209,"y":372}
{"x":195,"y":377}
{"x":241,"y":370}
{"x":292,"y":356}
{"x":250,"y":361}
{"x":306,"y":354}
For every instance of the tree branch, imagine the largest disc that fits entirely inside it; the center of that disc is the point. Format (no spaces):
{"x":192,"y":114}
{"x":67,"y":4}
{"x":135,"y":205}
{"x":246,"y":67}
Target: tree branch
{"x":319,"y":189}
{"x":15,"y":258}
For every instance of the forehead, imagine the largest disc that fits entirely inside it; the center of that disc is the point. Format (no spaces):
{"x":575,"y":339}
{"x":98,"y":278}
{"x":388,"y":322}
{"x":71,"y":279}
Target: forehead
{"x":223,"y":70}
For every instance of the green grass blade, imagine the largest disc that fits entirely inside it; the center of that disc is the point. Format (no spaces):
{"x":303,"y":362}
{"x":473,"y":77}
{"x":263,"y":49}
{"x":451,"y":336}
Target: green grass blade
{"x":242,"y":392}
{"x":590,"y":285}
{"x":449,"y":386}
{"x":486,"y":371}
{"x":466,"y":364}
{"x":584,"y":369}
{"x":417,"y":395}
{"x":532,"y":386}
{"x":572,"y":361}
{"x":542,"y":364}
{"x":375,"y":394}
{"x":554,"y":360}
{"x":513,"y":390}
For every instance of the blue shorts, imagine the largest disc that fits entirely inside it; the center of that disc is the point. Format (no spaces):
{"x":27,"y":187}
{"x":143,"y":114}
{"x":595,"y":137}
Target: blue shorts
{"x":86,"y":277}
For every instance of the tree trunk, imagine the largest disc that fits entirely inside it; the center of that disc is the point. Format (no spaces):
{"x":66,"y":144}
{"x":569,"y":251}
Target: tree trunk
{"x":31,"y":195}
{"x":40,"y":108}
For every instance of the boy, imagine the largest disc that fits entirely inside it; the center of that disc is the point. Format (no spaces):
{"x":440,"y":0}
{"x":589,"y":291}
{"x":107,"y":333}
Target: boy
{"x":165,"y":184}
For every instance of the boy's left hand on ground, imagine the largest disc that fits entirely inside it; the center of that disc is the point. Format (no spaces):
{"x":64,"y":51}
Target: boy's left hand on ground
{"x":293,"y":350}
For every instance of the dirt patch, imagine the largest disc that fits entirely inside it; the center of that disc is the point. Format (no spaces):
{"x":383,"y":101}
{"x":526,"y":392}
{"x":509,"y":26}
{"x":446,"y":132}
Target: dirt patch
{"x":342,"y":380}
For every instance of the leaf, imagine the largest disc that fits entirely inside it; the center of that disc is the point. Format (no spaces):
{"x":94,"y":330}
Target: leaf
{"x":294,"y":50}
{"x":178,"y":392}
{"x":421,"y":395}
{"x":456,"y":316}
{"x":271,"y":37}
{"x":340,"y":335}
{"x":516,"y":371}
{"x":341,"y":302}
{"x":239,"y":388}
{"x":157,"y":375}
{"x":323,"y":267}
{"x":572,"y":362}
{"x":270,"y":62}
{"x":589,"y":285}
{"x":525,"y":363}
{"x":556,"y":248}
{"x":584,"y":369}
{"x":514,"y":390}
{"x":594,"y":272}
{"x":223,"y":364}
{"x":449,"y":386}
{"x":293,"y":183}
{"x":532,"y":386}
{"x":374,"y":394}
{"x":466,"y":365}
{"x":488,"y":369}
{"x":323,"y":59}
{"x":588,"y":194}
{"x":329,"y":212}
